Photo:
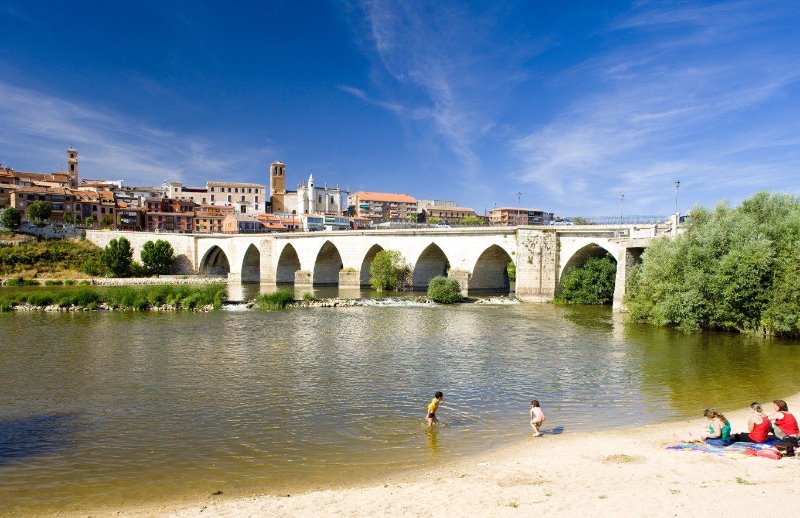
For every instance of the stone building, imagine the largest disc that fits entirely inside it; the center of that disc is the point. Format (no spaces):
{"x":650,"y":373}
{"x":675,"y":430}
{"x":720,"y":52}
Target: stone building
{"x":209,"y":219}
{"x":446,"y":214}
{"x":513,"y":216}
{"x":245,"y":198}
{"x":168,"y":215}
{"x":381,"y":206}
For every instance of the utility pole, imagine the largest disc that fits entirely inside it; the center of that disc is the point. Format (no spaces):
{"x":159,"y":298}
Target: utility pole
{"x":621,"y":204}
{"x":677,"y":185}
{"x":519,"y":204}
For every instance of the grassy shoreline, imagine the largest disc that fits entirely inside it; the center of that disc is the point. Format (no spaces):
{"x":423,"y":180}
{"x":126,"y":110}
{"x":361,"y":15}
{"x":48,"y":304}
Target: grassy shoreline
{"x":135,"y":298}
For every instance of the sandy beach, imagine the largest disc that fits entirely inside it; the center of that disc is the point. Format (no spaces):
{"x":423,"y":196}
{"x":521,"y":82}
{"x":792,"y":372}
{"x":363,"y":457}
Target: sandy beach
{"x":626,"y":472}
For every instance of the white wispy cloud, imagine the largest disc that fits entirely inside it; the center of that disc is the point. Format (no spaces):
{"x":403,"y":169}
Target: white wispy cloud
{"x":36,"y":128}
{"x":684,"y":103}
{"x":450,"y":64}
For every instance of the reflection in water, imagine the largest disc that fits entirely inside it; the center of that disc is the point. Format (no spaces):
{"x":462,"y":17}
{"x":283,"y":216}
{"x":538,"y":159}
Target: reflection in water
{"x":432,"y":436}
{"x":125,"y":407}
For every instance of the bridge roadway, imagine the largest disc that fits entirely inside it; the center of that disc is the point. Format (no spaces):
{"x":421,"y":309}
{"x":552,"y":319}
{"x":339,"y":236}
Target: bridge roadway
{"x":475,"y":256}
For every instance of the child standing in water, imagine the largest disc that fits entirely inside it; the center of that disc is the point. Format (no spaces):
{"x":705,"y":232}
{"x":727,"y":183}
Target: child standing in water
{"x":432,"y":407}
{"x":537,"y":417}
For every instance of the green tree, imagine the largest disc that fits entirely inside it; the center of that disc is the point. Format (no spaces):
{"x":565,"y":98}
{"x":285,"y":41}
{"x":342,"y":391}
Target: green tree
{"x":89,"y":221}
{"x":444,"y":290}
{"x":732,"y":269}
{"x":158,"y":257}
{"x":592,"y":283}
{"x":511,"y":268}
{"x":70,"y":218}
{"x":117,"y":257}
{"x":388,"y":271}
{"x":11,"y":218}
{"x":106,"y":221}
{"x":472,"y":221}
{"x":39,"y":212}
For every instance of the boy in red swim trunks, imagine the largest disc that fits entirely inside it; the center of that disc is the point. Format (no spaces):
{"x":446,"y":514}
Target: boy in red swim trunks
{"x":432,"y":407}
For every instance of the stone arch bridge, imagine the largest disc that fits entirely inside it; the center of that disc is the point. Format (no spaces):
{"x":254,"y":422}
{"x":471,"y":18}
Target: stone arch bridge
{"x":476,"y":257}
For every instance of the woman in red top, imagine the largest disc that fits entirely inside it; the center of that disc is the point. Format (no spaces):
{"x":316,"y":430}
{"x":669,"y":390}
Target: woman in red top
{"x":784,"y":425}
{"x":758,"y":425}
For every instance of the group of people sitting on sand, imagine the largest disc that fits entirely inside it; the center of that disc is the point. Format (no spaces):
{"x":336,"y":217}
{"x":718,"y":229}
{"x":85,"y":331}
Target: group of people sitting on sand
{"x":780,"y":423}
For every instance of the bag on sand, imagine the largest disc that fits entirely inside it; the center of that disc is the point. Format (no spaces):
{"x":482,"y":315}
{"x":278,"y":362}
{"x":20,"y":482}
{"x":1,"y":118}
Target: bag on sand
{"x":786,"y":449}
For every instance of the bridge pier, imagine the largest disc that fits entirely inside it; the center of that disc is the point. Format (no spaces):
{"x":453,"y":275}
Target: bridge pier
{"x":463,"y":278}
{"x":303,"y":278}
{"x":349,"y":279}
{"x":537,"y":265}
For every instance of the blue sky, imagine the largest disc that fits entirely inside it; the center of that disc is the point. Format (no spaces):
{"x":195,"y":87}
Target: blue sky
{"x":571,"y":104}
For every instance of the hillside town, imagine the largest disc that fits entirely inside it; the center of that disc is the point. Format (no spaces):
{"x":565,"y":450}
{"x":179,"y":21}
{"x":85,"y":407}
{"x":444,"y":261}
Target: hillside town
{"x":235,"y":207}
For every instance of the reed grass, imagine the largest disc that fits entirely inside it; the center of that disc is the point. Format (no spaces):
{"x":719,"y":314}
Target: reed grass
{"x":137,"y":298}
{"x":277,"y":300}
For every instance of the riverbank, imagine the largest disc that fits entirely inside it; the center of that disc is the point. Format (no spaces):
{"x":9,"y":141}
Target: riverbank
{"x":626,"y":471}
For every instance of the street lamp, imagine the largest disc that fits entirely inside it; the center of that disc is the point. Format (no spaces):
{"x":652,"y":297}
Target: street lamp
{"x":677,"y":185}
{"x":519,"y":203}
{"x":621,"y":203}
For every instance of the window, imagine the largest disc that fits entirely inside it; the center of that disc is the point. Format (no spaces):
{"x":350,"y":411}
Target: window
{"x":204,"y":200}
{"x":229,"y":196}
{"x":249,"y":190}
{"x":236,"y":189}
{"x":256,"y":199}
{"x":229,"y":189}
{"x":212,"y":197}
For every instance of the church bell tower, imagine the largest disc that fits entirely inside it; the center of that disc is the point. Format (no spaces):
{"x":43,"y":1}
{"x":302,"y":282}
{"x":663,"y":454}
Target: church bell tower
{"x":72,"y":167}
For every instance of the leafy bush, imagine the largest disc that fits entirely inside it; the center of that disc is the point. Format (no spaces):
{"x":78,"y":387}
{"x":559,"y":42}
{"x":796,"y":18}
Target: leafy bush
{"x":93,"y":267}
{"x":11,"y":218}
{"x":117,"y":257}
{"x":592,"y":283}
{"x":732,"y":269}
{"x":20,"y":281}
{"x":6,"y":305}
{"x":511,"y":268}
{"x":308,"y":297}
{"x":53,"y":282}
{"x":277,"y":300}
{"x":388,"y":271}
{"x":69,"y":282}
{"x":39,"y":212}
{"x":138,"y":270}
{"x":158,"y":257}
{"x":444,"y":290}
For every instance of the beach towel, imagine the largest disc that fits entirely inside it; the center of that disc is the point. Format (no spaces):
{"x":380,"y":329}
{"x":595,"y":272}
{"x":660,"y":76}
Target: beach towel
{"x":737,"y":450}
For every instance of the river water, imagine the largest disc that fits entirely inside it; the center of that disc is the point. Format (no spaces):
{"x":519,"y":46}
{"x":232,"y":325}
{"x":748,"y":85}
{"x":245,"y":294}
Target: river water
{"x":123,"y":408}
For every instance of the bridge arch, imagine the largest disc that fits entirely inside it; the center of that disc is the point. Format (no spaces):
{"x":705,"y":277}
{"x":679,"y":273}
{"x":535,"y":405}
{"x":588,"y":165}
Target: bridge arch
{"x":288,"y":264}
{"x":215,"y":262}
{"x":582,"y":255}
{"x":431,"y":263}
{"x":490,"y":273}
{"x":327,"y":266}
{"x":251,"y":265}
{"x":367,"y":263}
